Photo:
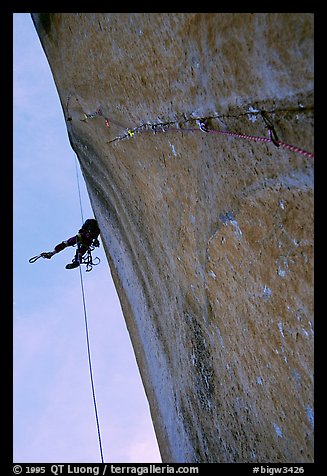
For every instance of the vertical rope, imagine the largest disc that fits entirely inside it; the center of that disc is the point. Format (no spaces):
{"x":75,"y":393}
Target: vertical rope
{"x":90,"y":366}
{"x":79,"y":190}
{"x":87,"y":329}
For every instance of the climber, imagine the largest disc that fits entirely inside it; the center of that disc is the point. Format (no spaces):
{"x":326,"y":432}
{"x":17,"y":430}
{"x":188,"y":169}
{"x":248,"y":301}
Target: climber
{"x":87,"y":236}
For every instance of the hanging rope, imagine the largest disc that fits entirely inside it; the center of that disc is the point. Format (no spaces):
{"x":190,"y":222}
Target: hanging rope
{"x":79,"y":190}
{"x":87,"y":330}
{"x":90,"y":365}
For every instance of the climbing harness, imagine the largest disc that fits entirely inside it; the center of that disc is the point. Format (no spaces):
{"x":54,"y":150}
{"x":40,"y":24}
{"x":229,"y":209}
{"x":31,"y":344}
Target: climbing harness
{"x":88,"y":260}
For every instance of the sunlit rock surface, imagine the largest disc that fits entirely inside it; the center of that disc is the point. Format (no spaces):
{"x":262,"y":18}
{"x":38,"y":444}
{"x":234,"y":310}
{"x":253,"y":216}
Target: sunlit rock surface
{"x":209,"y":237}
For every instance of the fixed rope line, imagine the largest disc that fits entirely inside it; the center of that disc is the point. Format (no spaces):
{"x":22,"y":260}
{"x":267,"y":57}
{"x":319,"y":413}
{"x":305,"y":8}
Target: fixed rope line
{"x":280,"y":143}
{"x":264,"y":139}
{"x":165,"y":128}
{"x":87,"y":329}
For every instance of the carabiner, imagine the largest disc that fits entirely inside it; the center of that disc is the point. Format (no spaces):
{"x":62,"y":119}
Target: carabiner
{"x":32,"y":260}
{"x":271,"y":130}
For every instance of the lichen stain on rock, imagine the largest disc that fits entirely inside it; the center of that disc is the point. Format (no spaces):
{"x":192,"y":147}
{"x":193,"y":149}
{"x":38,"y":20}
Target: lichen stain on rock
{"x":209,"y":238}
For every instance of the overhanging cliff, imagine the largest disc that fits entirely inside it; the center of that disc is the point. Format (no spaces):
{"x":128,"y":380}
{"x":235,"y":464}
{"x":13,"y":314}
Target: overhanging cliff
{"x":209,"y":236}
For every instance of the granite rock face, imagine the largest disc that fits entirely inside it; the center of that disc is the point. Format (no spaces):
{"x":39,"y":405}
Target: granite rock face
{"x":209,"y":237}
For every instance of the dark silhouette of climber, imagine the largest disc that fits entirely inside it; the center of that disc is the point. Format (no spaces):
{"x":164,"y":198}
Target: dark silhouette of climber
{"x":87,"y":236}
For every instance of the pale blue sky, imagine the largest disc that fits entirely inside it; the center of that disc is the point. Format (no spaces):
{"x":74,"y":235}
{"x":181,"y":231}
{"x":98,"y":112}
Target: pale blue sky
{"x":53,"y":408}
